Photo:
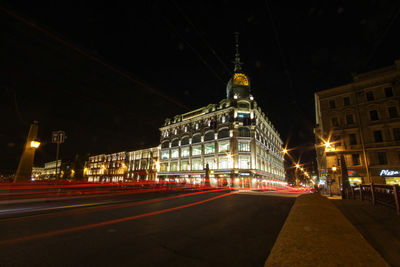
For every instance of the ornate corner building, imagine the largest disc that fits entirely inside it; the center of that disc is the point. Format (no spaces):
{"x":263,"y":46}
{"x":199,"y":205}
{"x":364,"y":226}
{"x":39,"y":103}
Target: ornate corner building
{"x":358,"y":129}
{"x":231,"y":139}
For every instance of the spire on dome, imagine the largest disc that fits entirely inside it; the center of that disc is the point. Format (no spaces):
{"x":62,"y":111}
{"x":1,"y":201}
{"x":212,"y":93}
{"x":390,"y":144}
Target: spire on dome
{"x":238,"y":64}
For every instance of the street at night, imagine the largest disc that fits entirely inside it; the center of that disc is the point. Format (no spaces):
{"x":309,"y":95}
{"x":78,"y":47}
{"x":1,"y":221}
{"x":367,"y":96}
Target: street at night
{"x":200,"y":133}
{"x":189,"y":228}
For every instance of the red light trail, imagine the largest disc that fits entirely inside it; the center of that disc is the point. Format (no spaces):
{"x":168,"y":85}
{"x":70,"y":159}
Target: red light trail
{"x":90,"y":226}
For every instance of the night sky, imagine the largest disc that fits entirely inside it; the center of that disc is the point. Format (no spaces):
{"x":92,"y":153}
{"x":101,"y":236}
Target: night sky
{"x":108,"y":74}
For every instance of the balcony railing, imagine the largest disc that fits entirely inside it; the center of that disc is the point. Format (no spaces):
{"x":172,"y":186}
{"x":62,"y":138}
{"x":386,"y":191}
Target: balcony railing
{"x":386,"y":195}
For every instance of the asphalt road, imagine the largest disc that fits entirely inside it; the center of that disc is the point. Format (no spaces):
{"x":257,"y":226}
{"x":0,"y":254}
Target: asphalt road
{"x":220,"y":228}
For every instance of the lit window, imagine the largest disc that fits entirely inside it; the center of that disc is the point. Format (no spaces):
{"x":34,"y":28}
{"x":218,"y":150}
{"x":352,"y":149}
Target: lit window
{"x":185,"y":152}
{"x":184,"y":165}
{"x":210,"y":162}
{"x":196,"y":150}
{"x":244,"y":162}
{"x":174,"y":153}
{"x":174,"y":166}
{"x":244,"y":146}
{"x":209,"y":148}
{"x":224,"y":162}
{"x":165,"y":154}
{"x":223,"y":146}
{"x":196,"y":164}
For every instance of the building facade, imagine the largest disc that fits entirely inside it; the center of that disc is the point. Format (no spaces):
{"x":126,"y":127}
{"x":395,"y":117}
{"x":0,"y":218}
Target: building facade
{"x":233,"y":138}
{"x":358,"y":129}
{"x":123,"y":166}
{"x":50,"y":169}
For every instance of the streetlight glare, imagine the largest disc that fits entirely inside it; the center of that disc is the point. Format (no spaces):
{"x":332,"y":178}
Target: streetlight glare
{"x":35,"y":144}
{"x":334,"y":168}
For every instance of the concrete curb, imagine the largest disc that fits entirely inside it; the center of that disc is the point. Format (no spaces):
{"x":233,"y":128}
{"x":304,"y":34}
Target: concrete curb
{"x":316,"y":233}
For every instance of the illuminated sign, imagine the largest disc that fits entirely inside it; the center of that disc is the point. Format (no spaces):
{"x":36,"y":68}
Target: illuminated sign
{"x":244,"y":174}
{"x":386,"y":172}
{"x":351,"y":173}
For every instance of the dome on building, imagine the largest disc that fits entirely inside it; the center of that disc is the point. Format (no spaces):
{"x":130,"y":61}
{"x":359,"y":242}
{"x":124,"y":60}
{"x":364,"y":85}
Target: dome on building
{"x":238,"y":85}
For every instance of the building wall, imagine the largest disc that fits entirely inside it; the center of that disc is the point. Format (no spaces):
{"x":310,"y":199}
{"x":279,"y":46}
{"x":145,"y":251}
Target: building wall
{"x":191,"y":141}
{"x":362,"y":121}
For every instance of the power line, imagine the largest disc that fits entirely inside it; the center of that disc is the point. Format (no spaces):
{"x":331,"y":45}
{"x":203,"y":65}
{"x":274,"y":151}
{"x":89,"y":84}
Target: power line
{"x":96,"y":59}
{"x":201,"y":36}
{"x":193,"y":49}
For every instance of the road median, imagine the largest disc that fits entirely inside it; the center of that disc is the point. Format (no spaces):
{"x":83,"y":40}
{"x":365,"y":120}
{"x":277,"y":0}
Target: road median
{"x":316,"y":233}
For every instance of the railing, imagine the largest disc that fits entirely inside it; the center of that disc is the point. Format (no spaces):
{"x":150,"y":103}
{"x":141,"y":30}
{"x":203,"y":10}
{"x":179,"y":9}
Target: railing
{"x":387,"y":195}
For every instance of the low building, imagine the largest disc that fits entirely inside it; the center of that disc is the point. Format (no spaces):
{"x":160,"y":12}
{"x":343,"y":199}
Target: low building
{"x":50,"y":169}
{"x":358,"y":129}
{"x":123,"y":166}
{"x":37,"y":173}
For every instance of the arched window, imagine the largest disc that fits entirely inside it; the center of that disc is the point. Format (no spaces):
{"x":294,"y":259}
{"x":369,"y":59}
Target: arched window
{"x":244,"y":132}
{"x":165,"y":144}
{"x":185,"y":140}
{"x":209,"y":136}
{"x":196,"y":139}
{"x":223,"y":133}
{"x":175,"y":143}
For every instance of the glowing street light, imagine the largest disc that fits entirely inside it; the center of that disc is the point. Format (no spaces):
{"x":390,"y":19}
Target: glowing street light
{"x":297,"y":166}
{"x":334,"y":168}
{"x":35,"y":144}
{"x":284,"y":151}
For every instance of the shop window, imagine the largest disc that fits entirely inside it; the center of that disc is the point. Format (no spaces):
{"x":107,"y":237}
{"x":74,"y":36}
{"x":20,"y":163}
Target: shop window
{"x":173,"y":166}
{"x":196,"y":164}
{"x":223,"y":146}
{"x":185,"y":152}
{"x":174,"y":153}
{"x":243,"y":146}
{"x":165,"y":154}
{"x":210,"y":161}
{"x":209,"y":148}
{"x":196,"y":150}
{"x":185,"y":165}
{"x":244,"y":162}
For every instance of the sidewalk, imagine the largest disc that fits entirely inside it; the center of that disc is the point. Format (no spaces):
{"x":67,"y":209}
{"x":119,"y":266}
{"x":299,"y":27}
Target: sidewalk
{"x":316,"y":233}
{"x":379,"y":225}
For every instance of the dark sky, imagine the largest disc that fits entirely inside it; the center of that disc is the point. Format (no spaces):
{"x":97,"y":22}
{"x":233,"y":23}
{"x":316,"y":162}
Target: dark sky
{"x":108,"y":74}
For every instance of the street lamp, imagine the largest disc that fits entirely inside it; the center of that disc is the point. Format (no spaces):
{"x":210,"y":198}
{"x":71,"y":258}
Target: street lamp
{"x":35,"y":144}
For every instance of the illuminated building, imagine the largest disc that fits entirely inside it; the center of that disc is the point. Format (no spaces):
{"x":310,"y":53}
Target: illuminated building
{"x":50,"y":169}
{"x":123,"y":166}
{"x":359,"y":123}
{"x":233,"y":137}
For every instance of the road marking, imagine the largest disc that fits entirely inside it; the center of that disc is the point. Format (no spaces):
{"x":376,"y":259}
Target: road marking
{"x":89,"y":226}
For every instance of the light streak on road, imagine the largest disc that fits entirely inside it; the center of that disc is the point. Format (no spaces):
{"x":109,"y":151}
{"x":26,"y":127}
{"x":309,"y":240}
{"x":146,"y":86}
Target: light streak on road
{"x":94,"y":225}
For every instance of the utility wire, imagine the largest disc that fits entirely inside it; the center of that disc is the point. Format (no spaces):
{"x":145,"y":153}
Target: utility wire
{"x":193,"y":49}
{"x":96,"y":59}
{"x":183,"y":13}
